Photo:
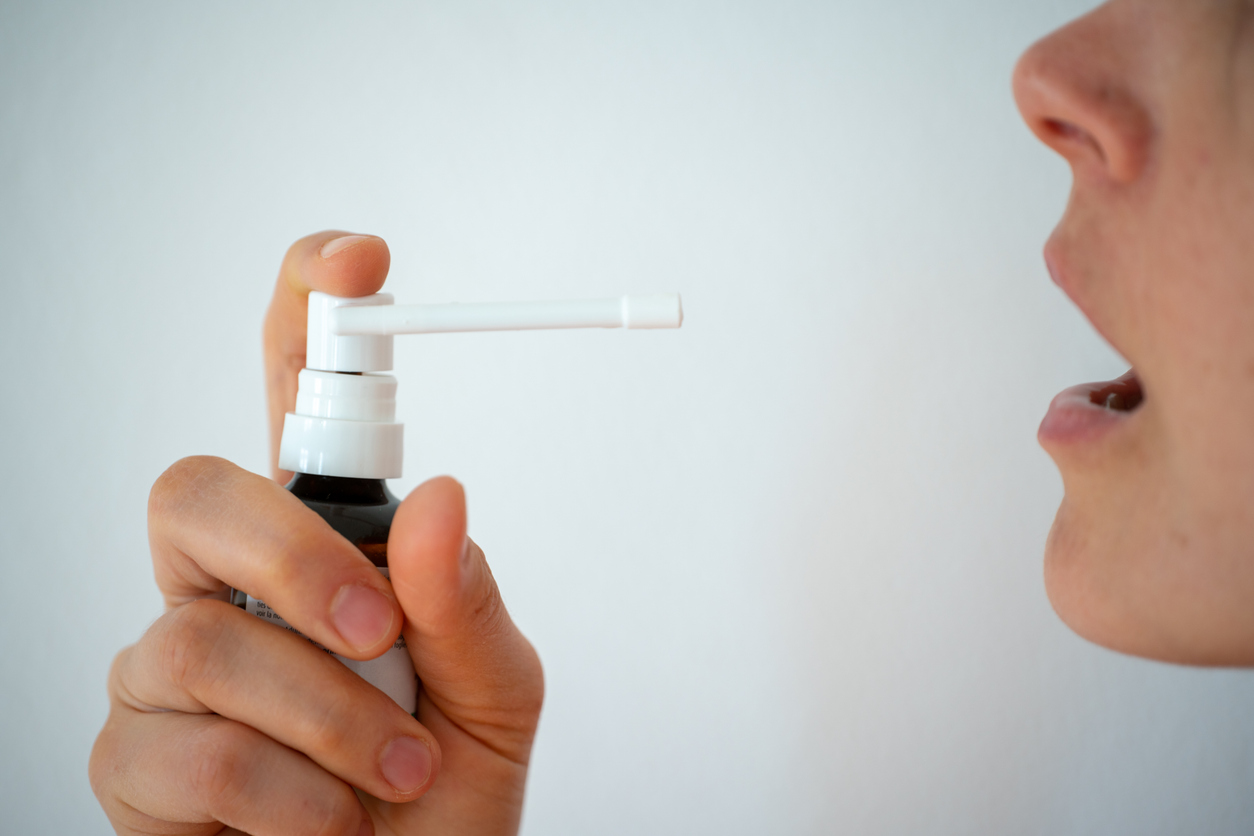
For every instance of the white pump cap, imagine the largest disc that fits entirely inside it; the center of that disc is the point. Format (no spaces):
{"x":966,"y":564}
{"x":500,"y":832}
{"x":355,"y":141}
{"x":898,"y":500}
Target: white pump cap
{"x":326,"y":351}
{"x":345,"y":419}
{"x":344,"y":425}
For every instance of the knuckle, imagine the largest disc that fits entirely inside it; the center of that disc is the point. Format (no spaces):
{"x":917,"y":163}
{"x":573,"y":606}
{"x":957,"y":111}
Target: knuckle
{"x":531,"y":693}
{"x":298,"y":247}
{"x":342,"y":813}
{"x":302,"y":544}
{"x":283,"y":567}
{"x":227,"y":777}
{"x":120,"y":684}
{"x":190,"y":474}
{"x":187,"y":641}
{"x":332,"y":727}
{"x":102,"y":765}
{"x":489,"y":613}
{"x":113,"y":685}
{"x":224,"y":767}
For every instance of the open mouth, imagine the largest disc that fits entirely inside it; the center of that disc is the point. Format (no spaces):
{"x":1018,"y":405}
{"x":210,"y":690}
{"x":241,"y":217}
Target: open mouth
{"x":1092,"y":411}
{"x":1123,"y":394}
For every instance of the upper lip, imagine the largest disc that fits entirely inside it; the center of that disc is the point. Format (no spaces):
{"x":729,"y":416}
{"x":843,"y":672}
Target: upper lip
{"x":1055,"y":262}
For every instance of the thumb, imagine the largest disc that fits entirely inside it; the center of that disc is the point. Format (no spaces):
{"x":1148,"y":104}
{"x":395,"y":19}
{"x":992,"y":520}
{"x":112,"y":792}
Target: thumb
{"x":476,"y":667}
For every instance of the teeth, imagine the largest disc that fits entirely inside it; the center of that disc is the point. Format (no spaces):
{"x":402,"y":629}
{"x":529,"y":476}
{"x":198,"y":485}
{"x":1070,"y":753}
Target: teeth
{"x":1122,"y":395}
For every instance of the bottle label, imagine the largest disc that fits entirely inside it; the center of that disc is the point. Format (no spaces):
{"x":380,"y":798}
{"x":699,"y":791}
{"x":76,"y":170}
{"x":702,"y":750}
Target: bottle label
{"x":392,"y":673}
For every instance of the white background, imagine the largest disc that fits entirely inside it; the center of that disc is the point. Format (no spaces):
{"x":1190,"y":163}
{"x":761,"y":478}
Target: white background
{"x":783,"y":566}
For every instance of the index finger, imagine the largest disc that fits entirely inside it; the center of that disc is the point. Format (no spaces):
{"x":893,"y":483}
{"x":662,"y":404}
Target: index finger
{"x":335,"y":262}
{"x":212,"y":525}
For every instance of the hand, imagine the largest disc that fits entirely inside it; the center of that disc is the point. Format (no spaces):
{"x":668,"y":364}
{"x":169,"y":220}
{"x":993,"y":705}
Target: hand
{"x":221,"y":723}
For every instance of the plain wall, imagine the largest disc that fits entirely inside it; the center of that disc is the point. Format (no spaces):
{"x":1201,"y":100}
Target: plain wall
{"x":783,"y":566}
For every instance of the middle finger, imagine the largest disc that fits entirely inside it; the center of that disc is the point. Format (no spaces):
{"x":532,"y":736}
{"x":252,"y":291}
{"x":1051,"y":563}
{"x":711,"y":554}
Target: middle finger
{"x":209,"y":656}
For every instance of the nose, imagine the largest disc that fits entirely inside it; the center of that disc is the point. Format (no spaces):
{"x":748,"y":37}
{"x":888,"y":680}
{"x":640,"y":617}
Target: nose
{"x":1076,"y":89}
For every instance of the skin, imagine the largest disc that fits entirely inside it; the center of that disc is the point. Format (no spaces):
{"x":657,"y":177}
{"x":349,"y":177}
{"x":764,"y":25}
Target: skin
{"x":1151,"y":102}
{"x":193,"y":746}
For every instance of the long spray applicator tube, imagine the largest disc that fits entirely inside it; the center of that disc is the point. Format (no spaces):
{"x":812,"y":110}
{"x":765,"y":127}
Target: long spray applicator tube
{"x":657,"y":311}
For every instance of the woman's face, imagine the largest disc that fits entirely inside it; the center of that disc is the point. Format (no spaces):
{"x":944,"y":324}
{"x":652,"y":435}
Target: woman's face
{"x":1152,"y":104}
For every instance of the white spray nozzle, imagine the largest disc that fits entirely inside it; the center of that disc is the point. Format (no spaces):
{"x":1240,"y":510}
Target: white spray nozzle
{"x":345,"y":424}
{"x":661,"y":311}
{"x":355,"y":334}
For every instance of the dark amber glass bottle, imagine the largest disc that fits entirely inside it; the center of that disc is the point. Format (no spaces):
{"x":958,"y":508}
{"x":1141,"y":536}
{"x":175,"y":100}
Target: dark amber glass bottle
{"x":361,"y":510}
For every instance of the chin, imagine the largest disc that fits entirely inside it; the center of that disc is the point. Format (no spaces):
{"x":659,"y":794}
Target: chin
{"x":1077,"y":584}
{"x":1145,"y":593}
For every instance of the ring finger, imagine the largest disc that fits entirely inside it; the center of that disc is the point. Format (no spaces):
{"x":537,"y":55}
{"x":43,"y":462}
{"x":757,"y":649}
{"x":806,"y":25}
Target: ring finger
{"x":183,"y":769}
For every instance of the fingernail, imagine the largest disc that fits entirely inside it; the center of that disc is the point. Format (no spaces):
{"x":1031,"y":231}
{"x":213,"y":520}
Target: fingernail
{"x":367,"y":827}
{"x":406,"y":764}
{"x":362,"y":616}
{"x":335,"y":245}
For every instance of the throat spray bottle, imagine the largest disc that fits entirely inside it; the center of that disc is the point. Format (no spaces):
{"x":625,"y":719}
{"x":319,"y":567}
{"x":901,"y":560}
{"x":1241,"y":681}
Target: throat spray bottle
{"x":343,"y":441}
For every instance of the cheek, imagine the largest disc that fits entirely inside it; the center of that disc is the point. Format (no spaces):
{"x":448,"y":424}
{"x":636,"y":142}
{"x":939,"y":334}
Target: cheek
{"x":1194,"y":296}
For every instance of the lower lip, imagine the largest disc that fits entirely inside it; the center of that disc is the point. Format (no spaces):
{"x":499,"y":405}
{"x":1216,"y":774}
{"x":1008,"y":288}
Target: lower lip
{"x":1073,"y":418}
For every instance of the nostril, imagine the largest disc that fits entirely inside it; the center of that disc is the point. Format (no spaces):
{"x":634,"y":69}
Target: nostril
{"x":1080,"y":93}
{"x":1065,"y":132}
